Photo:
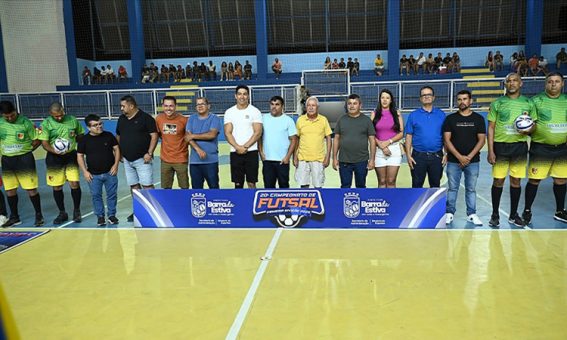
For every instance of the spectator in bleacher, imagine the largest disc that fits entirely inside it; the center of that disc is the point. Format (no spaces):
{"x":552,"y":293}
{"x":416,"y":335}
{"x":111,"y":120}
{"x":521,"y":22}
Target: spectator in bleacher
{"x":62,"y":165}
{"x":378,"y":65}
{"x":313,"y":153}
{"x":354,"y":146}
{"x":327,"y":64}
{"x":212,"y":71}
{"x":438,"y":63}
{"x":412,"y":63}
{"x":355,"y":67}
{"x":456,"y":62}
{"x":164,"y":73}
{"x":189,"y":71}
{"x":342,"y":64}
{"x":389,"y":126}
{"x":448,"y":62}
{"x":430,"y":64}
{"x":277,"y":67}
{"x":172,"y":70}
{"x":561,"y":58}
{"x":97,"y":76}
{"x":145,"y":74}
{"x":514,"y":62}
{"x":498,"y":61}
{"x":420,"y":64}
{"x":202,"y":132}
{"x":238,"y":70}
{"x":533,"y":65}
{"x":522,"y":64}
{"x":224,"y":71}
{"x":179,"y":74}
{"x":543,"y":65}
{"x":110,"y":75}
{"x":243,"y":129}
{"x":204,"y":70}
{"x":197,"y":74}
{"x":230,"y":71}
{"x":86,"y":76}
{"x":101,"y":167}
{"x":489,"y":62}
{"x":277,"y":145}
{"x":153,"y":73}
{"x":137,"y":137}
{"x":122,"y":73}
{"x":350,"y":65}
{"x":404,"y":65}
{"x":103,"y":75}
{"x":335,"y":64}
{"x":424,"y":141}
{"x":174,"y":154}
{"x":247,"y":70}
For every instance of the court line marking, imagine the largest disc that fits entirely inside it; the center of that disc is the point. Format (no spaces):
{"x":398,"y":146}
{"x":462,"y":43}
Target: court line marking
{"x":247,"y":303}
{"x":499,"y":210}
{"x":105,"y":206}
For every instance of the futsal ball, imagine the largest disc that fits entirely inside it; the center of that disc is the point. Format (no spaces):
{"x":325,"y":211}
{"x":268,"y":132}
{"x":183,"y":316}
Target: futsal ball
{"x":288,"y":220}
{"x":61,"y":145}
{"x":523,"y":123}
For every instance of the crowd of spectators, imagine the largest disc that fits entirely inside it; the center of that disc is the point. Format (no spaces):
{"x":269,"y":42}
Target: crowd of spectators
{"x":104,"y":75}
{"x":197,"y":72}
{"x":430,"y":65}
{"x":352,"y":65}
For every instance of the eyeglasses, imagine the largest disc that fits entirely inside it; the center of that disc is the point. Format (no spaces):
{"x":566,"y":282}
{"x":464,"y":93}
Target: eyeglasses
{"x":201,"y":104}
{"x":427,"y":95}
{"x":96,"y":125}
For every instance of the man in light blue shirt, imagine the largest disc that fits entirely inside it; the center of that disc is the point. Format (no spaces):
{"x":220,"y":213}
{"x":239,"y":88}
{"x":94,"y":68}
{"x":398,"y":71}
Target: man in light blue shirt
{"x":277,"y":145}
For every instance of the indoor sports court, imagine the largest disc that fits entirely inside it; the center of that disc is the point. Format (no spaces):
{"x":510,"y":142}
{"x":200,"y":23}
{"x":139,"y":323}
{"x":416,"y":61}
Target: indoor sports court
{"x":310,"y":281}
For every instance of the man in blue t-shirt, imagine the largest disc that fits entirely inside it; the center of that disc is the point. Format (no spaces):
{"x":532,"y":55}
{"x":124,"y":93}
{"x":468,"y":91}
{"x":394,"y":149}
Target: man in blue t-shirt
{"x":277,"y":145}
{"x":424,"y":141}
{"x":202,"y":132}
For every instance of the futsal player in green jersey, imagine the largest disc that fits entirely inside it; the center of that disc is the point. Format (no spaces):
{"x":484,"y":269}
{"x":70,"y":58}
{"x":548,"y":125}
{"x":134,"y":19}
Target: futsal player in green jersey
{"x":508,"y":148}
{"x":62,"y":164}
{"x":548,"y":149}
{"x":18,"y":138}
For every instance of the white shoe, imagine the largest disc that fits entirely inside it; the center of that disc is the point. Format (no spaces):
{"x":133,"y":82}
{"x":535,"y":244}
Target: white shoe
{"x":3,"y":219}
{"x":473,"y":218}
{"x":449,"y":218}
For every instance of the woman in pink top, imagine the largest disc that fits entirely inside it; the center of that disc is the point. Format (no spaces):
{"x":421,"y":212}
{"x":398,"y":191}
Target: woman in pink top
{"x":389,"y":127}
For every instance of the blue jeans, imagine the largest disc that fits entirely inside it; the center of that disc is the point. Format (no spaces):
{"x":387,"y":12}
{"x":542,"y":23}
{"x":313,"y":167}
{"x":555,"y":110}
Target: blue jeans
{"x":427,"y":163}
{"x":110,"y":185}
{"x":201,"y":172}
{"x":360,"y":171}
{"x":454,"y":172}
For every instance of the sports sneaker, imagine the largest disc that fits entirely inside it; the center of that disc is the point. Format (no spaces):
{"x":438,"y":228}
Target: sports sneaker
{"x":112,"y":220}
{"x":561,"y":215}
{"x":39,"y":221}
{"x":130,"y":218}
{"x":77,"y":218}
{"x":494,"y":221}
{"x":3,"y":219}
{"x":527,"y":216}
{"x":449,"y":218}
{"x":473,"y":218}
{"x":516,"y":220}
{"x":62,"y":217}
{"x":101,"y":222}
{"x":12,"y":221}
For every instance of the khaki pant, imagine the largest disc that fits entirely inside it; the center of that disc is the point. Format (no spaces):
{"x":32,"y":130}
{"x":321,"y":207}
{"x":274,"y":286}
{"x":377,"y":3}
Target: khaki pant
{"x":167,"y":172}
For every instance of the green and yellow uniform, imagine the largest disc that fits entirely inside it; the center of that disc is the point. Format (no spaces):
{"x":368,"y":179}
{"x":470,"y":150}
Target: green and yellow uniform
{"x":18,"y":163}
{"x":61,"y":167}
{"x":548,"y":151}
{"x":503,"y":113}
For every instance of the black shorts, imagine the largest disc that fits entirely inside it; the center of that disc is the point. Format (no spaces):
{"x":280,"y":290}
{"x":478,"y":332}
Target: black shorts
{"x":244,"y":167}
{"x":58,"y":162}
{"x":511,"y":151}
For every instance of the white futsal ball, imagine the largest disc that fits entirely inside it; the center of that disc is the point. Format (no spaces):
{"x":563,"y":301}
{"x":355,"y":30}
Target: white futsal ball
{"x":61,"y":145}
{"x":287,"y":221}
{"x":523,"y":123}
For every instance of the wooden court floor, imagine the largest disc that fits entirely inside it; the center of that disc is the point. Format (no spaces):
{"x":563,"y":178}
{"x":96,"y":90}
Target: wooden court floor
{"x":289,"y":284}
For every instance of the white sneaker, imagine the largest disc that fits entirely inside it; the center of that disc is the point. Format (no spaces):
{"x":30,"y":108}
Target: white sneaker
{"x":473,"y":218}
{"x":449,"y":218}
{"x":3,"y":219}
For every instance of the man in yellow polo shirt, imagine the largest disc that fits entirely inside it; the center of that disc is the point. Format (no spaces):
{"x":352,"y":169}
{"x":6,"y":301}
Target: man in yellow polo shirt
{"x":313,"y":153}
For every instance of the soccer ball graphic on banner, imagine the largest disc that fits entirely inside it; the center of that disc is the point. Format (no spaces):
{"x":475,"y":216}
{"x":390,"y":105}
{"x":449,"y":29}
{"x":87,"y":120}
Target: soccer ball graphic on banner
{"x":523,"y":122}
{"x":61,"y":145}
{"x":288,"y":221}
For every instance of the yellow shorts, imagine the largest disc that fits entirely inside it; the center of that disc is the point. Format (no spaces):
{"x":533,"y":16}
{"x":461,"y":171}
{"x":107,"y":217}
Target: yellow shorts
{"x":61,"y":168}
{"x":516,"y":167}
{"x":540,"y":168}
{"x":19,"y":171}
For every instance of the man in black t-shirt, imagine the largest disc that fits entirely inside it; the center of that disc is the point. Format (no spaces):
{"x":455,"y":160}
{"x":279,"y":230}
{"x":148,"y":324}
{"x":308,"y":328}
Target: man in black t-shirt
{"x":137,"y":137}
{"x":464,"y":134}
{"x":101,"y":168}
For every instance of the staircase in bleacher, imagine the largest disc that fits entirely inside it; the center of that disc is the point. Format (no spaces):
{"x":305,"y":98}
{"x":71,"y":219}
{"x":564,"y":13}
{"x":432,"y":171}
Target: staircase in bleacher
{"x":484,"y":91}
{"x":185,"y":92}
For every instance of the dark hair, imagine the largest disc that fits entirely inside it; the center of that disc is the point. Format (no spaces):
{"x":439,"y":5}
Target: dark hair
{"x":172,"y":98}
{"x":467,"y":92}
{"x":427,"y":87}
{"x":129,"y":99}
{"x":7,"y":107}
{"x":242,"y":86}
{"x":354,"y":96}
{"x":274,"y":98}
{"x":91,"y":118}
{"x":554,"y":74}
{"x":392,"y":108}
{"x":202,"y":98}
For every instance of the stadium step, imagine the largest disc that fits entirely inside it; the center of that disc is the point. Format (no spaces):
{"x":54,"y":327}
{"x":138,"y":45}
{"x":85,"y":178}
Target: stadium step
{"x":484,"y":84}
{"x":184,"y":87}
{"x":495,"y":91}
{"x":482,"y":76}
{"x":179,"y":108}
{"x":184,"y":101}
{"x":181,"y":94}
{"x":486,"y":99}
{"x":474,"y":70}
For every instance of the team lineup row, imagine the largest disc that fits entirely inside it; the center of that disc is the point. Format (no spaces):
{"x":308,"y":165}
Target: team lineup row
{"x":433,"y":141}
